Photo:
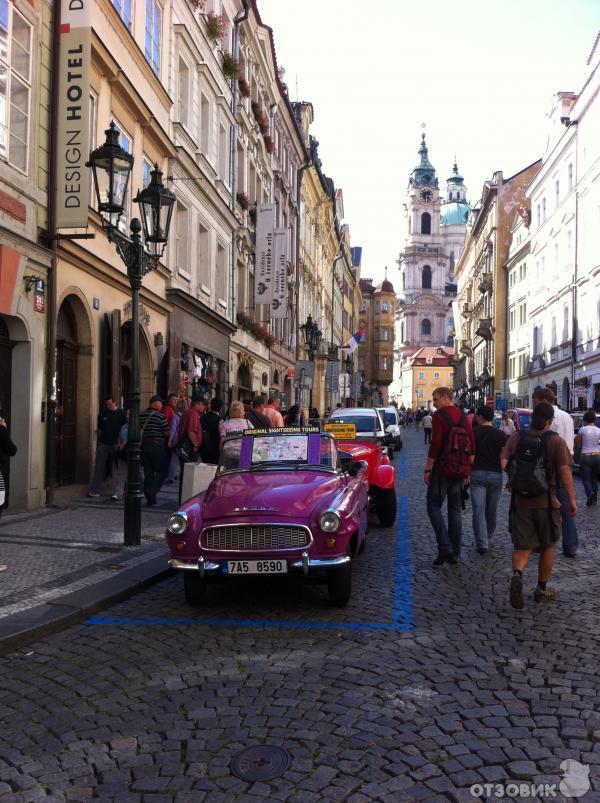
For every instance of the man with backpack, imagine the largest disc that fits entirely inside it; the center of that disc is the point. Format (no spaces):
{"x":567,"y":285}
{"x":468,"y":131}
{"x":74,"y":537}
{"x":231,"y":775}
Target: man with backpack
{"x":538,"y":461}
{"x":448,"y":466}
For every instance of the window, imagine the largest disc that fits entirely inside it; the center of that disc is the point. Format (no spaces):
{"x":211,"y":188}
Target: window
{"x":420,"y":393}
{"x":436,"y":375}
{"x":557,"y":192}
{"x":182,"y":235}
{"x":421,"y":374}
{"x":426,"y":277}
{"x":363,"y":308}
{"x":511,"y":367}
{"x":425,"y":223}
{"x":15,"y":85}
{"x":425,"y":326}
{"x":522,"y":314}
{"x":152,"y":39}
{"x":222,"y":275}
{"x":385,"y":307}
{"x":537,"y":215}
{"x":183,"y":93}
{"x":123,"y":8}
{"x":385,"y":334}
{"x":204,"y":257}
{"x":223,"y":155}
{"x":543,"y":209}
{"x":146,"y":168}
{"x":377,"y":307}
{"x":205,"y":125}
{"x":512,"y":318}
{"x":385,"y":363}
{"x":569,"y":177}
{"x":522,"y":271}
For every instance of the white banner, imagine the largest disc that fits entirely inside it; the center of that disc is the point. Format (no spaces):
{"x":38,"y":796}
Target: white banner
{"x":264,"y":253}
{"x":279,"y":300}
{"x":73,"y":134}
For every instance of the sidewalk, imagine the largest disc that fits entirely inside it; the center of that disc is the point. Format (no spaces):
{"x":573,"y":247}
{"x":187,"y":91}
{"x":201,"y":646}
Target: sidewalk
{"x":59,"y":564}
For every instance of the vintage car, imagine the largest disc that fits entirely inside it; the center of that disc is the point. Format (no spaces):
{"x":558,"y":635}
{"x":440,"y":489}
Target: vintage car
{"x":281,"y":502}
{"x":356,"y":443}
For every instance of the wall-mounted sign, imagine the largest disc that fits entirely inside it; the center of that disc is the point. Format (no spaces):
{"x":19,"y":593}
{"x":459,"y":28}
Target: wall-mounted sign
{"x":73,"y":135}
{"x":264,"y":253}
{"x":39,"y":302}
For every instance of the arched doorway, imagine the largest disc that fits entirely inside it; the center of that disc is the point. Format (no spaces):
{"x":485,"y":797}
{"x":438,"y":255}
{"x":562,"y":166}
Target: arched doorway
{"x":565,"y":395}
{"x":145,"y":363}
{"x":73,"y":392}
{"x":244,"y":382}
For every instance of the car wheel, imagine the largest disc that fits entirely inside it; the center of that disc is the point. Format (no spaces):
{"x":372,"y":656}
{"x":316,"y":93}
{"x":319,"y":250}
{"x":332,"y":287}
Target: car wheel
{"x":194,"y":588}
{"x":385,"y":506}
{"x":339,"y":585}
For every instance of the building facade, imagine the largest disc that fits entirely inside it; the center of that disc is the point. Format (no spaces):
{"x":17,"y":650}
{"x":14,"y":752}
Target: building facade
{"x":428,"y":368}
{"x":480,"y":348}
{"x":376,"y":351}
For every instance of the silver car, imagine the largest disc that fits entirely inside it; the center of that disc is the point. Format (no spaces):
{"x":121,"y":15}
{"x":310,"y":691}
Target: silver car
{"x":392,"y":424}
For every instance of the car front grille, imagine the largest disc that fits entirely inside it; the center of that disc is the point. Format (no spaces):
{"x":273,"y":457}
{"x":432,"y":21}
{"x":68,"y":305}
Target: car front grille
{"x":255,"y":537}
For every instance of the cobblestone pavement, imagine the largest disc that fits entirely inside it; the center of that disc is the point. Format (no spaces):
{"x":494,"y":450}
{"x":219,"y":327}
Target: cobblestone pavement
{"x":368,"y":707}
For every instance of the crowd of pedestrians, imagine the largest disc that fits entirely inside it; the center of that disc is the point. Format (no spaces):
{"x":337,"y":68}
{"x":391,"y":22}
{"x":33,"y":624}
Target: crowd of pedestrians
{"x":174,"y":432}
{"x":469,"y":457}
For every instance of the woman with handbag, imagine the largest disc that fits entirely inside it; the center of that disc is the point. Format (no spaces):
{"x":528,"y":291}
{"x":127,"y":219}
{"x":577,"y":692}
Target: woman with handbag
{"x":189,"y":436}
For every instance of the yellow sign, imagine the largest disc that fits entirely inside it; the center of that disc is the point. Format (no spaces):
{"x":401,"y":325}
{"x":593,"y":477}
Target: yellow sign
{"x":341,"y":432}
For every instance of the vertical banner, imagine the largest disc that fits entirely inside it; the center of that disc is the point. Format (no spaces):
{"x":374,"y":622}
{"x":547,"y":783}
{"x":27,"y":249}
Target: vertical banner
{"x":73,"y":134}
{"x":279,"y":300}
{"x":264,"y":253}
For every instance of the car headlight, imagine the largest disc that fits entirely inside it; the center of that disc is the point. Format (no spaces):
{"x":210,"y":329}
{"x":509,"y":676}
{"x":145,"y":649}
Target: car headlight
{"x":177,"y":523}
{"x":329,"y":521}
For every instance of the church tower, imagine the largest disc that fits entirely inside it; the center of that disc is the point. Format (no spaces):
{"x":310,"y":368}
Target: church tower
{"x":435,"y":228}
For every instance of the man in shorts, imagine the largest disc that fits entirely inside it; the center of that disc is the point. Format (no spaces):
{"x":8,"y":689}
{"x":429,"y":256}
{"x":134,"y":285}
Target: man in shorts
{"x":535,"y":522}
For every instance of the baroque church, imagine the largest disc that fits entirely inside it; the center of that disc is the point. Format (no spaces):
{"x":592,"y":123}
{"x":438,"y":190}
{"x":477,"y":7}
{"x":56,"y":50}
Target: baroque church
{"x":436,"y":225}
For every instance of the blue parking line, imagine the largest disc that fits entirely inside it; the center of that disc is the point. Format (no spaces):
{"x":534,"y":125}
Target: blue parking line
{"x":402,"y":602}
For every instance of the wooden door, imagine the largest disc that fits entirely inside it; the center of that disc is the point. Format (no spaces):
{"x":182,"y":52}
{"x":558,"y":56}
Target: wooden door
{"x":66,"y":457}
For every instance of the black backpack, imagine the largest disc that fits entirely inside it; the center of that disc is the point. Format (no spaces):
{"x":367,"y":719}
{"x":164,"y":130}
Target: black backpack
{"x":529,"y":471}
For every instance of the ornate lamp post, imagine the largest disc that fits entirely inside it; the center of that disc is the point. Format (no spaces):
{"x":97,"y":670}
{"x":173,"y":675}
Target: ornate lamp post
{"x":312,"y":340}
{"x":111,"y":169}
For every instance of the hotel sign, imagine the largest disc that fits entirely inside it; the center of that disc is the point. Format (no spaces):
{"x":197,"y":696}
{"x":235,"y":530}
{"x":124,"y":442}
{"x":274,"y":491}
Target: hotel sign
{"x":73,"y":134}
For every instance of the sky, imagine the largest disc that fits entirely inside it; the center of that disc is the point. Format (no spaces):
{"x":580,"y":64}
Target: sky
{"x":479,"y":75}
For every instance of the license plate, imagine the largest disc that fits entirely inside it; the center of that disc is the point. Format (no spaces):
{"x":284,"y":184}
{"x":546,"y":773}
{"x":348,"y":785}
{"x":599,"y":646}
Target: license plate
{"x":255,"y":567}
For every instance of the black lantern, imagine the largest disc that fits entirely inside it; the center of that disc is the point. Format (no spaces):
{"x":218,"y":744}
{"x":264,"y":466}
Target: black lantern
{"x":156,"y":210}
{"x":312,"y":336}
{"x":348,"y":364}
{"x":111,"y":168}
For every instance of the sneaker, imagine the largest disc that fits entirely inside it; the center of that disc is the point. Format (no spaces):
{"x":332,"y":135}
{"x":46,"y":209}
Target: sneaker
{"x":516,"y":592}
{"x":443,"y":557}
{"x":482,"y":550}
{"x":93,"y":494}
{"x":591,"y":500}
{"x":116,"y":497}
{"x":547,"y":594}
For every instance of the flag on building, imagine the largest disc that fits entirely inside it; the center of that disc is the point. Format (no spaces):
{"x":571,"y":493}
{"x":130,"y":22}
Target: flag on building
{"x":354,"y":341}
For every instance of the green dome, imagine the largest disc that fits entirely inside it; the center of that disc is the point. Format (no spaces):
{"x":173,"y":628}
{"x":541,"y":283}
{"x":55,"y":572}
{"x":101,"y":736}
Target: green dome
{"x":454,"y":214}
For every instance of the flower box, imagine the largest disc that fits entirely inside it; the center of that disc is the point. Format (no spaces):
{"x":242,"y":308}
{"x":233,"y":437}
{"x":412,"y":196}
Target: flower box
{"x":216,"y":26}
{"x":243,"y":200}
{"x":244,"y":88}
{"x":269,"y":144}
{"x":231,"y":66}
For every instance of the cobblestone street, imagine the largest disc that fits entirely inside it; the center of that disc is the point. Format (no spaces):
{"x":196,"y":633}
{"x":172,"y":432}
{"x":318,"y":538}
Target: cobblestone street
{"x":426,"y":684}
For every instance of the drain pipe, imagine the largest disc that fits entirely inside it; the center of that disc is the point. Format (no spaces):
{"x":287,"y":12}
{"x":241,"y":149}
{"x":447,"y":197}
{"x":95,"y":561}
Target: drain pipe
{"x":234,"y":167}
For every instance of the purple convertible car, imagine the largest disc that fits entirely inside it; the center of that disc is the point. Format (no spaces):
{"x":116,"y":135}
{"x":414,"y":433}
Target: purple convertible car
{"x":282,"y":502}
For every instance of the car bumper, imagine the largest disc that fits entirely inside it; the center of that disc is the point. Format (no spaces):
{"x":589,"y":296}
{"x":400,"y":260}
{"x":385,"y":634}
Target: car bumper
{"x":305,"y":564}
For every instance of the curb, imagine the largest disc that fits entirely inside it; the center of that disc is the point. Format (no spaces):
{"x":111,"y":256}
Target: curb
{"x":62,"y":612}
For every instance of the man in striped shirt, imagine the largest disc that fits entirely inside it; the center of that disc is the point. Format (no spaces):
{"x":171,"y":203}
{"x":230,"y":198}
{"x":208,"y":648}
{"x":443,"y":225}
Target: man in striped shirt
{"x":154,"y":432}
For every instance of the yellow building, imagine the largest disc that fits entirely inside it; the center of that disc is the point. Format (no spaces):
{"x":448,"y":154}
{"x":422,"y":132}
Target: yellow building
{"x":428,"y":368}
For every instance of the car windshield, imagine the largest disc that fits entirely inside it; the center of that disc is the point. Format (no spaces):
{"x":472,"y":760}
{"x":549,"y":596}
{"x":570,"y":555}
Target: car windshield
{"x":363,"y":423}
{"x":273,"y":449}
{"x":389,"y":418}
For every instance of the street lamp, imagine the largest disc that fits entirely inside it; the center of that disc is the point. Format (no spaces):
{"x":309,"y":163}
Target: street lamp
{"x":111,"y":170}
{"x":312,"y":337}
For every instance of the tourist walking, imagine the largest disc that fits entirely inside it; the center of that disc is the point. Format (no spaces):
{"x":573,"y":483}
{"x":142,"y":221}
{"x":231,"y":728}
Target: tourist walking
{"x":110,"y":420}
{"x":538,"y":462}
{"x":237,"y":421}
{"x":588,"y":438}
{"x":209,"y":421}
{"x":189,"y":435}
{"x":506,"y":425}
{"x":448,"y":465}
{"x":427,"y":425}
{"x":154,"y":437}
{"x":486,"y":477}
{"x":7,"y":450}
{"x":273,"y":411}
{"x":121,"y":463}
{"x":253,"y":410}
{"x":563,"y":425}
{"x":175,"y":419}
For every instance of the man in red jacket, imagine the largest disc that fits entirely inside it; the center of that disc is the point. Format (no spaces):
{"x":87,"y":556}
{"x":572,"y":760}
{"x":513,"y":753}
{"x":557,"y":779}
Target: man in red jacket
{"x":439,"y":486}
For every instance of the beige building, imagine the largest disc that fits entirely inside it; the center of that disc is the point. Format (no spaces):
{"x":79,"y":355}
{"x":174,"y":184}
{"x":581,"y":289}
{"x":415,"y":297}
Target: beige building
{"x":428,"y":368}
{"x":376,"y":351}
{"x":480,"y":310}
{"x":25,"y":255}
